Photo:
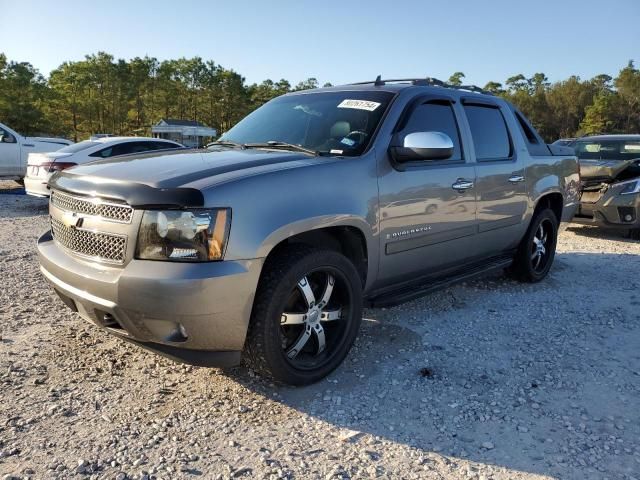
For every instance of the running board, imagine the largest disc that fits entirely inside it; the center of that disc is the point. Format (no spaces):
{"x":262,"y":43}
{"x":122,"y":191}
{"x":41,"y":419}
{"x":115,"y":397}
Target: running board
{"x":427,"y":285}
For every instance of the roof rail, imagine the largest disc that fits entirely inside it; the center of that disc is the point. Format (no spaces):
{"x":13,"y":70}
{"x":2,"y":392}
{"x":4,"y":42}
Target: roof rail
{"x":428,"y":82}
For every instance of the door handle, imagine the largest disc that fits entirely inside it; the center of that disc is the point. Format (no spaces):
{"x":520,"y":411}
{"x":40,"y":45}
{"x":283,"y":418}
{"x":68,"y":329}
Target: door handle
{"x":515,"y":178}
{"x":461,"y":185}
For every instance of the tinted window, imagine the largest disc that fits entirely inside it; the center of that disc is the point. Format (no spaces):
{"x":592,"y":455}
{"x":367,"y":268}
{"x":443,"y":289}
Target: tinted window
{"x":436,"y":117}
{"x":528,"y":133}
{"x":164,"y":145}
{"x":489,"y":132}
{"x":136,"y":147}
{"x":124,"y":148}
{"x":608,"y":149}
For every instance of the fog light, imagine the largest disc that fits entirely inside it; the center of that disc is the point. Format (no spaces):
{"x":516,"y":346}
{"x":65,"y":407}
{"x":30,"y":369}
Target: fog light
{"x":628,"y":218}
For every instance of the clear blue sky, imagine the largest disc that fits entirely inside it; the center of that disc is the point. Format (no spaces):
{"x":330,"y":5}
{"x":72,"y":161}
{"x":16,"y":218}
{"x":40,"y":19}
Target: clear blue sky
{"x":335,"y":41}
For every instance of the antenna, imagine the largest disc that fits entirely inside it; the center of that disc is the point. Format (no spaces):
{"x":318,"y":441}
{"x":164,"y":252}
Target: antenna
{"x":378,"y":81}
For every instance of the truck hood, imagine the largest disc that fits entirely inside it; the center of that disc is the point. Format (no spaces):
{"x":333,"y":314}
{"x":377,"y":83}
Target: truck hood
{"x":51,"y":140}
{"x":604,"y":170}
{"x":172,"y":178}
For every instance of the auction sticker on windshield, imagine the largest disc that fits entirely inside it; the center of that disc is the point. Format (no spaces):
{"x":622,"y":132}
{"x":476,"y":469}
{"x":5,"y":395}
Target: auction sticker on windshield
{"x":359,"y":104}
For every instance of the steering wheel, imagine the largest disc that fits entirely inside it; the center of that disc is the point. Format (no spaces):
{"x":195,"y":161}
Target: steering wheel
{"x":357,"y":136}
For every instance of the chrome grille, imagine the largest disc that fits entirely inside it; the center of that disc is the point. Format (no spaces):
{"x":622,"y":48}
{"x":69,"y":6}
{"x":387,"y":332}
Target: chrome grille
{"x":96,"y":208}
{"x":105,"y":247}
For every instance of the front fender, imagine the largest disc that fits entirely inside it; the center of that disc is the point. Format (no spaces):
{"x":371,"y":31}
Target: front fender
{"x":326,"y":221}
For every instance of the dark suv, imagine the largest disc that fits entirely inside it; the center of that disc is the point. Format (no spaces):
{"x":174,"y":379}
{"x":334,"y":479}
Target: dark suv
{"x":610,"y":171}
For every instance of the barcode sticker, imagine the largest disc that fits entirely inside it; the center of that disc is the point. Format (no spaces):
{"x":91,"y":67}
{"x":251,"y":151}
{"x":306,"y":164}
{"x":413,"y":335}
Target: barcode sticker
{"x":359,"y":105}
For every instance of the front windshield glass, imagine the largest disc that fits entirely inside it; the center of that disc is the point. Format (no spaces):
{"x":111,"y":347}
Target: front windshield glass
{"x":608,"y":149}
{"x":338,"y":123}
{"x":76,"y":147}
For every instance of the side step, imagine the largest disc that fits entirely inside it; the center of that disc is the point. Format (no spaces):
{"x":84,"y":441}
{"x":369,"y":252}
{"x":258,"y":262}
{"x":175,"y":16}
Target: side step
{"x":420,"y":288}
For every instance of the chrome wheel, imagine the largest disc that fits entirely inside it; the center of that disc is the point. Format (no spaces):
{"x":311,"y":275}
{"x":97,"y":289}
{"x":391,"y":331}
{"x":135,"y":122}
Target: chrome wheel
{"x":312,"y":324}
{"x":540,"y":246}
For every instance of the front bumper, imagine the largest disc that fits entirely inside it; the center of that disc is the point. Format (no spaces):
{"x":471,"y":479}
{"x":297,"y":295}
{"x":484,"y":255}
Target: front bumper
{"x":611,"y":211}
{"x":36,"y":186}
{"x":194,"y":313}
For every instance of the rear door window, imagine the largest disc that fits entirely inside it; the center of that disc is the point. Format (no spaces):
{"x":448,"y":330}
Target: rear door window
{"x":489,"y":131}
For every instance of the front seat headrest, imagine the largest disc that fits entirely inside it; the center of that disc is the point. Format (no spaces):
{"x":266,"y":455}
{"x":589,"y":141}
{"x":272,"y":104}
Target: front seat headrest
{"x":340,"y":129}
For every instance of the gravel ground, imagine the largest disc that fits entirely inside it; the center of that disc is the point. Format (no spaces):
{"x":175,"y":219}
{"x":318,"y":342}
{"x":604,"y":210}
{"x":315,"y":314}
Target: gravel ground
{"x":487,"y":380}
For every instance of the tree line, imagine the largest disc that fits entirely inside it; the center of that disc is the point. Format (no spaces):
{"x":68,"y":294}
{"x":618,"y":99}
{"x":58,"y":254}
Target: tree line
{"x":101,"y":94}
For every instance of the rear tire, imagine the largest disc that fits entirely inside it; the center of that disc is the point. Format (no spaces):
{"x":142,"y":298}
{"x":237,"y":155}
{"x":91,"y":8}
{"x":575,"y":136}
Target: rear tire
{"x":634,"y":233}
{"x":306,"y":315}
{"x":537,"y":250}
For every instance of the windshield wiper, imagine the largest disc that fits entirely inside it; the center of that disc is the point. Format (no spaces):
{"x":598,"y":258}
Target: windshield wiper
{"x":227,"y":143}
{"x":283,"y":146}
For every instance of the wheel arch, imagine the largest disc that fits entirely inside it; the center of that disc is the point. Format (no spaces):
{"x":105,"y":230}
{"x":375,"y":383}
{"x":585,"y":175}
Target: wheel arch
{"x":350,"y":236}
{"x":553,"y":200}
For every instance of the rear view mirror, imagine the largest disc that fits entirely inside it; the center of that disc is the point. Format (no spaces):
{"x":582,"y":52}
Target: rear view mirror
{"x":423,"y":146}
{"x":8,"y":138}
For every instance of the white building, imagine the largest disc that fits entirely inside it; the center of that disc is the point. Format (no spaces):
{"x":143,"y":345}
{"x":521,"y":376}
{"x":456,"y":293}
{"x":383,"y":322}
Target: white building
{"x":187,"y":132}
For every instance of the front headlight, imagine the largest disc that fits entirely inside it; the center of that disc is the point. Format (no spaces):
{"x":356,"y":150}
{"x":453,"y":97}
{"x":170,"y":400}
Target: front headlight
{"x":197,"y":235}
{"x":632,"y":186}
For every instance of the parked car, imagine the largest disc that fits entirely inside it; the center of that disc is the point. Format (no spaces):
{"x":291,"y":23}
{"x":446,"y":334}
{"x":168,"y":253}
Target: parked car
{"x":41,"y":166}
{"x":565,"y":142}
{"x":14,"y":149}
{"x":610,"y":170}
{"x":267,"y":245}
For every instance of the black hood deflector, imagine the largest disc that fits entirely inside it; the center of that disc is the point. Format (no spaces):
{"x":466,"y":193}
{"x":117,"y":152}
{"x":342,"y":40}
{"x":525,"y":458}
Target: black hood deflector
{"x":161,"y":179}
{"x":138,"y":195}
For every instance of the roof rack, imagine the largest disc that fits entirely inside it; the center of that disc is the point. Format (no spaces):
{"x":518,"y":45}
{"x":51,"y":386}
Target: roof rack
{"x":425,"y":82}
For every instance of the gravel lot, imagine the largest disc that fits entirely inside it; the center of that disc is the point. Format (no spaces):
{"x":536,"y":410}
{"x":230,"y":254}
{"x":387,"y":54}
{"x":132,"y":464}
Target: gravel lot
{"x":491,"y":379}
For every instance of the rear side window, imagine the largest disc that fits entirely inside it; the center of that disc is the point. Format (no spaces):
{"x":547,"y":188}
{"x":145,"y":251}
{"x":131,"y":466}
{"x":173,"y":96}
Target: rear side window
{"x":436,"y":117}
{"x":489,"y":132}
{"x":137,"y":147}
{"x":526,"y":130}
{"x":163,"y":145}
{"x":124,"y":148}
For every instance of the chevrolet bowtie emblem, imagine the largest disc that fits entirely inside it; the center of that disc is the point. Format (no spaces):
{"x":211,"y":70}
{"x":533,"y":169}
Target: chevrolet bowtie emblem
{"x":72,"y":220}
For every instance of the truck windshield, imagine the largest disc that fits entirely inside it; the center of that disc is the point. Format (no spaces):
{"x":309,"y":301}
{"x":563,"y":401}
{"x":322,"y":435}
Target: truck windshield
{"x":608,"y":149}
{"x":332,"y":123}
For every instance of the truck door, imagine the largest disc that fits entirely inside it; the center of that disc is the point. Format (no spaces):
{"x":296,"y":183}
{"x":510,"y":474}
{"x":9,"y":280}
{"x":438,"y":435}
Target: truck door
{"x":500,"y":183}
{"x":9,"y":154}
{"x":427,"y":207}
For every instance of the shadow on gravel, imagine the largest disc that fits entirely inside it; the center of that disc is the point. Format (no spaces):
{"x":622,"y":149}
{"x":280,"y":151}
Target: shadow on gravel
{"x":525,"y":377}
{"x":602,"y":233}
{"x":22,"y":206}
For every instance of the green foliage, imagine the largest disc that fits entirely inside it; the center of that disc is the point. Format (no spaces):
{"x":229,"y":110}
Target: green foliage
{"x":23,"y":92}
{"x":456,"y":79}
{"x":101,"y":94}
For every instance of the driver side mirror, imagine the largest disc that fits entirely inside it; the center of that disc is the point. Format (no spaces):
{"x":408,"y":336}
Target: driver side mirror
{"x":7,"y":138}
{"x":422,"y":146}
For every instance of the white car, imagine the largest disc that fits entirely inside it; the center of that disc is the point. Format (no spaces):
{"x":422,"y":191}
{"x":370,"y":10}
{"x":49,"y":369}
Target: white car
{"x":14,"y":149}
{"x":41,"y":166}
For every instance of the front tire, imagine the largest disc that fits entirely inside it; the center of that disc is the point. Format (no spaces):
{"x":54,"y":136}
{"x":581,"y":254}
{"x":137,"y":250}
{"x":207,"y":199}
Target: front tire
{"x":306,"y":315}
{"x":537,"y":250}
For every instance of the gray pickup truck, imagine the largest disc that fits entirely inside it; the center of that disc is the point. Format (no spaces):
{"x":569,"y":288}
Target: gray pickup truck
{"x":266,"y":245}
